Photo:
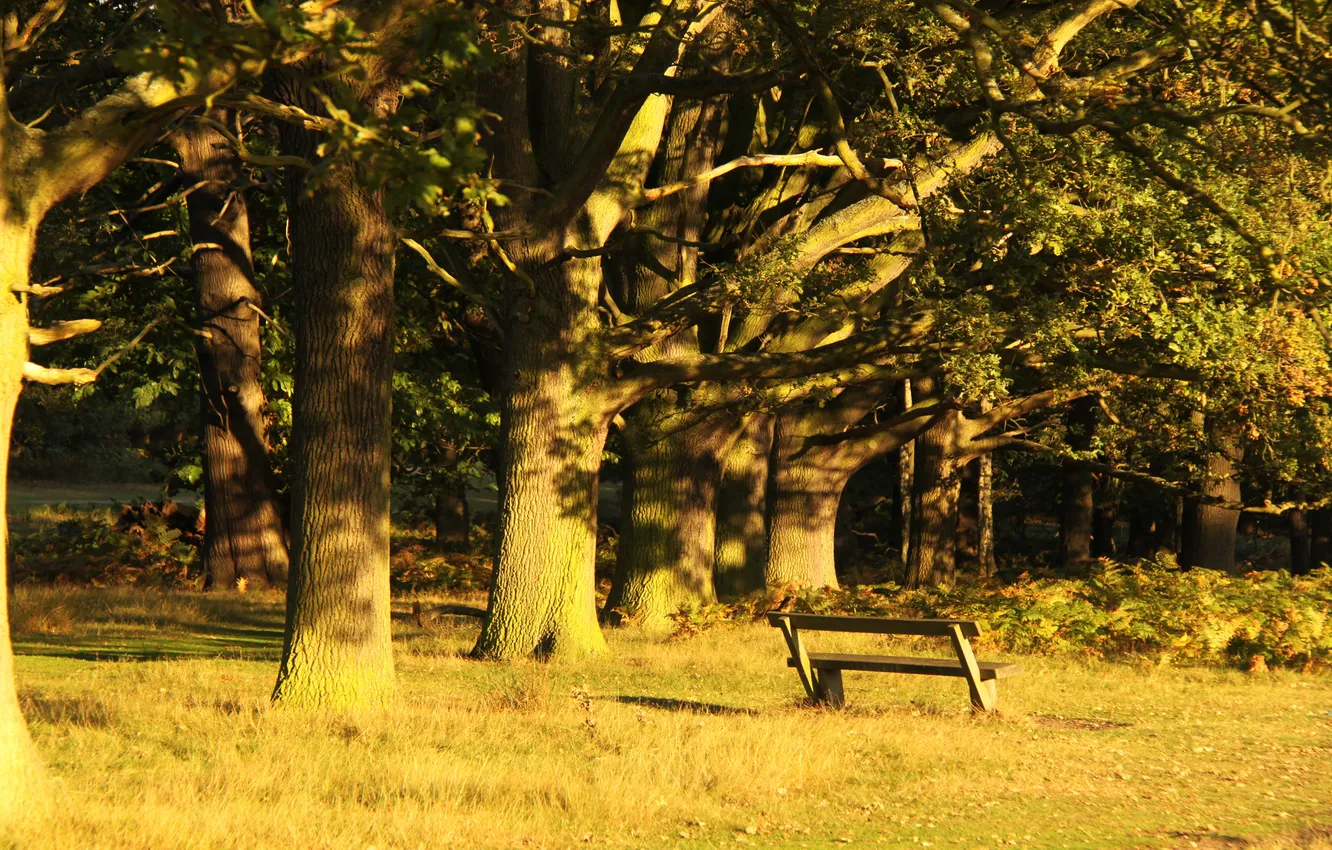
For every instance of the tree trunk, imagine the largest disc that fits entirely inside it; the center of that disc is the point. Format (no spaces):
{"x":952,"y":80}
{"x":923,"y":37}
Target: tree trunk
{"x":1320,"y":523}
{"x":1213,"y":528}
{"x":667,"y":540}
{"x":932,"y":560}
{"x":1077,"y":503}
{"x":452,"y":517}
{"x":806,"y":487}
{"x":19,"y":770}
{"x":985,"y":499}
{"x":1301,"y":543}
{"x":553,"y":427}
{"x":741,"y":549}
{"x":337,"y":651}
{"x":906,"y":477}
{"x":245,"y":536}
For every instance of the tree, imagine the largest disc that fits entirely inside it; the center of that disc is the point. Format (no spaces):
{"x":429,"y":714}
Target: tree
{"x":245,"y":533}
{"x":39,"y":167}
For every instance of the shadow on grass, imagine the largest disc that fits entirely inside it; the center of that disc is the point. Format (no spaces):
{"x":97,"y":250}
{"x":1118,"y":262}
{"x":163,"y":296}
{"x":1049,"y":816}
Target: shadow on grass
{"x":689,"y":706}
{"x":240,"y":644}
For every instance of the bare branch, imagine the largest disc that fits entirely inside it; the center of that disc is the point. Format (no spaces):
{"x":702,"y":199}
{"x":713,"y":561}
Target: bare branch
{"x":61,"y":331}
{"x":782,"y":160}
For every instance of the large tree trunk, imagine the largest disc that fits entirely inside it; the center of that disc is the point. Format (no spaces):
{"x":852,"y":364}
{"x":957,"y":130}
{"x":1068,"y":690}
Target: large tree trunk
{"x":337,"y":651}
{"x":19,"y":771}
{"x":552,"y":432}
{"x":932,"y":559}
{"x":741,"y":548}
{"x":806,"y":487}
{"x":1077,"y":506}
{"x":1212,"y":529}
{"x":245,"y":536}
{"x":667,"y":539}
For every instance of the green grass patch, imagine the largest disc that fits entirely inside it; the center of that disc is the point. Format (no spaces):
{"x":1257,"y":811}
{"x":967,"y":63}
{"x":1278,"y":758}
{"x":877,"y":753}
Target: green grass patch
{"x":697,"y":742}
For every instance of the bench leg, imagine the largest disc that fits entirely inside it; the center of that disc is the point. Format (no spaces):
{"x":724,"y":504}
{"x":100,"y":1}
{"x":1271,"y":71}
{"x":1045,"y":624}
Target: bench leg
{"x":828,"y":688}
{"x":984,"y":696}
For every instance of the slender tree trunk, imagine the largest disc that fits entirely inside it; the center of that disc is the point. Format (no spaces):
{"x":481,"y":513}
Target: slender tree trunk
{"x":245,"y":536}
{"x":668,"y":530}
{"x":20,"y":774}
{"x":1212,"y":528}
{"x":337,"y":652}
{"x":985,"y":498}
{"x":932,"y":559}
{"x":1320,"y":524}
{"x":553,"y":426}
{"x":741,"y":550}
{"x":1077,"y":505}
{"x":1301,"y":543}
{"x":906,"y":477}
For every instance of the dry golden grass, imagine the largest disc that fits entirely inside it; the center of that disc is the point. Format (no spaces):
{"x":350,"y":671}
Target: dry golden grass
{"x":698,"y":743}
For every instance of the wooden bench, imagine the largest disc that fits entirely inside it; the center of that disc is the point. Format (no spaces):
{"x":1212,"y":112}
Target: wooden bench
{"x":821,"y":673}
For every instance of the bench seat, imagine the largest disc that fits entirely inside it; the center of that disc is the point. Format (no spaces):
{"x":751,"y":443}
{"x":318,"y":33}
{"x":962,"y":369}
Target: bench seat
{"x":907,"y":664}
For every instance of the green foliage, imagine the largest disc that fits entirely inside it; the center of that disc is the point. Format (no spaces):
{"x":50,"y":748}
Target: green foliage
{"x":1151,"y":609}
{"x":61,"y":546}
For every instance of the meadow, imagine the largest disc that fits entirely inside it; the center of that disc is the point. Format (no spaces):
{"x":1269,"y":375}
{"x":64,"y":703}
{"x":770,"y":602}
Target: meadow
{"x":150,"y":708}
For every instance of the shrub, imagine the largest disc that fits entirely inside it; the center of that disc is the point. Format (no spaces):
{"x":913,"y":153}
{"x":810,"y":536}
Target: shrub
{"x":1151,"y":609}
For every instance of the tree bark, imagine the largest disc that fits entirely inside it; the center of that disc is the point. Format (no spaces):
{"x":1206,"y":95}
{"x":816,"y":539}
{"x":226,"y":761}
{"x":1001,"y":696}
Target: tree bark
{"x":1212,"y":529}
{"x":245,"y":537}
{"x":806,"y":488}
{"x":666,"y":547}
{"x":20,"y":775}
{"x":1077,"y":504}
{"x":932,"y":559}
{"x":741,"y":548}
{"x":553,"y":427}
{"x":337,"y":652}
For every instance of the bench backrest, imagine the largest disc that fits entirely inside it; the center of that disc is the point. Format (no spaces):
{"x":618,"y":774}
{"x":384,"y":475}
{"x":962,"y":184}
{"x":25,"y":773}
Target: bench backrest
{"x":875,"y":625}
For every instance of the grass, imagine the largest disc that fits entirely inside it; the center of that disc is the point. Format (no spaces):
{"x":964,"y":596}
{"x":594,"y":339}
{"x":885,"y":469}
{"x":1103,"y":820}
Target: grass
{"x":695,"y":743}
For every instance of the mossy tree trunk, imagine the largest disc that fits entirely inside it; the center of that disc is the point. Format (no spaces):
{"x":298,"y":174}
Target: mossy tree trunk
{"x":665,"y":553}
{"x":245,"y":537}
{"x":741,"y":548}
{"x":553,"y":429}
{"x":337,"y":651}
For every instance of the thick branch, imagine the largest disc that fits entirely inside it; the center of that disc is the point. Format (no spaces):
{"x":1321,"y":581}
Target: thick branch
{"x":62,"y":330}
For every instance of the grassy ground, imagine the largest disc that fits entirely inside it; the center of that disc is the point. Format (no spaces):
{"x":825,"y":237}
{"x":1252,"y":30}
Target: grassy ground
{"x":151,"y":710}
